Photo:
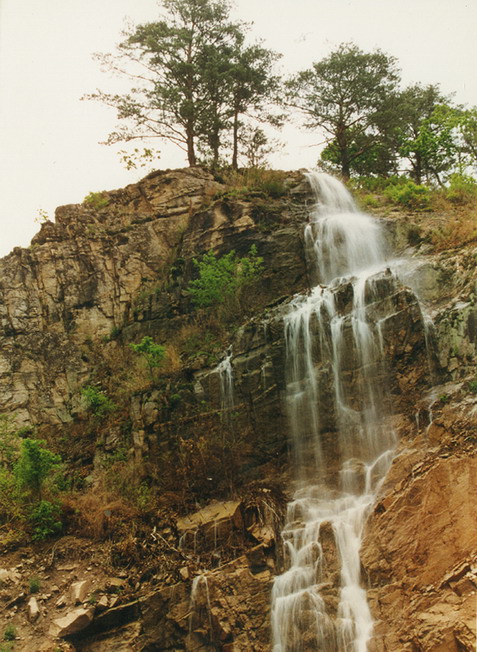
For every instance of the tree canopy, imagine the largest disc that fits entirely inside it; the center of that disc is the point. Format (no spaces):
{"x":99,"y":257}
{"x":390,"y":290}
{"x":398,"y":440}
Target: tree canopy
{"x":349,"y":96}
{"x":197,"y":82}
{"x":194,"y":76}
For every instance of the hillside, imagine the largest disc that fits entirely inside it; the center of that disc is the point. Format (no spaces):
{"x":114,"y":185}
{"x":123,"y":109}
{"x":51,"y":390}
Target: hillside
{"x":175,"y":491}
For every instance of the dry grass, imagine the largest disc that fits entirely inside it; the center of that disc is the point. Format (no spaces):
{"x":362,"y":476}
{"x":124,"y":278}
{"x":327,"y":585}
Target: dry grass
{"x":458,"y":229}
{"x":253,"y":180}
{"x":98,"y":515}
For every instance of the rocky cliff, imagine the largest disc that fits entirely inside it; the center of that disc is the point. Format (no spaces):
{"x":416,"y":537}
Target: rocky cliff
{"x":195,"y":570}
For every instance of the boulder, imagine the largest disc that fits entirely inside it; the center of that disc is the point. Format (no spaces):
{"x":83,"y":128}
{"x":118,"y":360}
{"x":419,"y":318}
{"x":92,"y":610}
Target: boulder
{"x":78,"y":591}
{"x":73,"y":622}
{"x":213,"y":524}
{"x":33,"y":610}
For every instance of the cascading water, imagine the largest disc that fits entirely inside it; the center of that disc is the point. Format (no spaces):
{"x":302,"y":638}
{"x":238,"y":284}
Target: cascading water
{"x":225,"y":371}
{"x":341,"y":442}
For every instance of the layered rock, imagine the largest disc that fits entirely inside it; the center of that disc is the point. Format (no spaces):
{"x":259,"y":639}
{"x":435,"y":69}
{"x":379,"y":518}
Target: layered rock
{"x":124,"y":263}
{"x":104,"y":264}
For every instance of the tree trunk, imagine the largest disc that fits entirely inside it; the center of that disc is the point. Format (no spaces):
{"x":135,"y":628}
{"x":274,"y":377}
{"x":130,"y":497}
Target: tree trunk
{"x":342,"y":143}
{"x":191,"y":158}
{"x":417,"y":170}
{"x":235,"y":142}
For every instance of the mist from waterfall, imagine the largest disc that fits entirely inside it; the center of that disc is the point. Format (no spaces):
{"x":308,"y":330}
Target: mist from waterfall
{"x":341,"y":442}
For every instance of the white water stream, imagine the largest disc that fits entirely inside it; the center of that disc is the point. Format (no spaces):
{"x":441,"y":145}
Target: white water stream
{"x":341,"y":443}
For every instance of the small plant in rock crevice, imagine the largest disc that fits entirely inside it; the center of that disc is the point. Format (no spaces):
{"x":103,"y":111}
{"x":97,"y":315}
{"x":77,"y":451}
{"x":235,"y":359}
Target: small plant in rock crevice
{"x":472,"y":386}
{"x":97,"y":402}
{"x":222,"y":278}
{"x":10,"y":633}
{"x":96,"y":200}
{"x":153,"y":354}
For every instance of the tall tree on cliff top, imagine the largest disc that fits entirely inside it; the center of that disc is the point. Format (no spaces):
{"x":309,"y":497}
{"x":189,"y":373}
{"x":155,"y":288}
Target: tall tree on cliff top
{"x":348,"y":95}
{"x":238,"y":82}
{"x":428,"y":132}
{"x":188,"y":71}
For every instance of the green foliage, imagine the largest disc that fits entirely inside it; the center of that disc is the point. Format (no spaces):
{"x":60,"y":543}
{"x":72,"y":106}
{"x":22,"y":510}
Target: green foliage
{"x":409,"y":194}
{"x":34,"y":584}
{"x":10,"y":633}
{"x":257,"y":146}
{"x":369,"y":201}
{"x":93,"y":598}
{"x":11,"y":508}
{"x":96,"y":200}
{"x":42,"y":216}
{"x":154,"y":354}
{"x":349,"y":95}
{"x":196,"y":80}
{"x":138,"y":158}
{"x":34,"y":466}
{"x":472,"y":386}
{"x":428,"y":136}
{"x":115,"y":332}
{"x":221,"y":279}
{"x":45,"y":520}
{"x":28,"y":471}
{"x":462,"y":189}
{"x":97,"y":402}
{"x":468,"y":132}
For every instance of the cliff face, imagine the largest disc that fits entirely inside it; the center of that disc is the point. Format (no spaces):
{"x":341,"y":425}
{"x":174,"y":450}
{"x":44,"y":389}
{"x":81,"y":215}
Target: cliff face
{"x":115,"y":268}
{"x":85,"y":276}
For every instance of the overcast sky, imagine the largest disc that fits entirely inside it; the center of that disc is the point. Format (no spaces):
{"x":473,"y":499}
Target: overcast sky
{"x":49,"y":138}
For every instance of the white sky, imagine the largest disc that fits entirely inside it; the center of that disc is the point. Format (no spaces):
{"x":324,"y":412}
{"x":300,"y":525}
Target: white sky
{"x":49,"y":151}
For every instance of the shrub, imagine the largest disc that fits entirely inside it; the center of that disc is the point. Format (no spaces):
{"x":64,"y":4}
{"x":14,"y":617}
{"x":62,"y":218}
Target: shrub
{"x":45,"y":520}
{"x":34,"y":466}
{"x":97,"y":402}
{"x":96,"y":200}
{"x":34,"y":584}
{"x":456,"y":231}
{"x":369,"y":201}
{"x":98,"y":515}
{"x":409,"y":195}
{"x":241,"y":183}
{"x":10,"y":633}
{"x":221,"y":279}
{"x":9,"y":441}
{"x":462,"y":189}
{"x":10,"y":499}
{"x":151,"y":352}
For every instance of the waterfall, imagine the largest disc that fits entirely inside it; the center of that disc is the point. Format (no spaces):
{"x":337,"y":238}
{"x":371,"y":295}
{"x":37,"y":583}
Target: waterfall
{"x":225,"y":371}
{"x":342,"y":444}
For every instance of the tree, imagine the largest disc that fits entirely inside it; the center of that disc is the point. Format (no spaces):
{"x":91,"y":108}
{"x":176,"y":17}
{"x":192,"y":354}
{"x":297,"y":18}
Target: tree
{"x":427,"y":134}
{"x":468,"y":132}
{"x":151,"y":352}
{"x":349,"y":96}
{"x":253,"y":84}
{"x":34,"y":466}
{"x":256,"y":146}
{"x":193,"y":77}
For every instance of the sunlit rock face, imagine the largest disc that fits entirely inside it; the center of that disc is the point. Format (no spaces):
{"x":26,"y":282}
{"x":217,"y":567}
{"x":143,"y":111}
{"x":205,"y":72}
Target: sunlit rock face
{"x":83,"y":274}
{"x":77,"y":281}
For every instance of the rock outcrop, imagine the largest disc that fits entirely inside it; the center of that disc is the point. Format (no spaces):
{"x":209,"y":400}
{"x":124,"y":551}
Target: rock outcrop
{"x":115,"y":268}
